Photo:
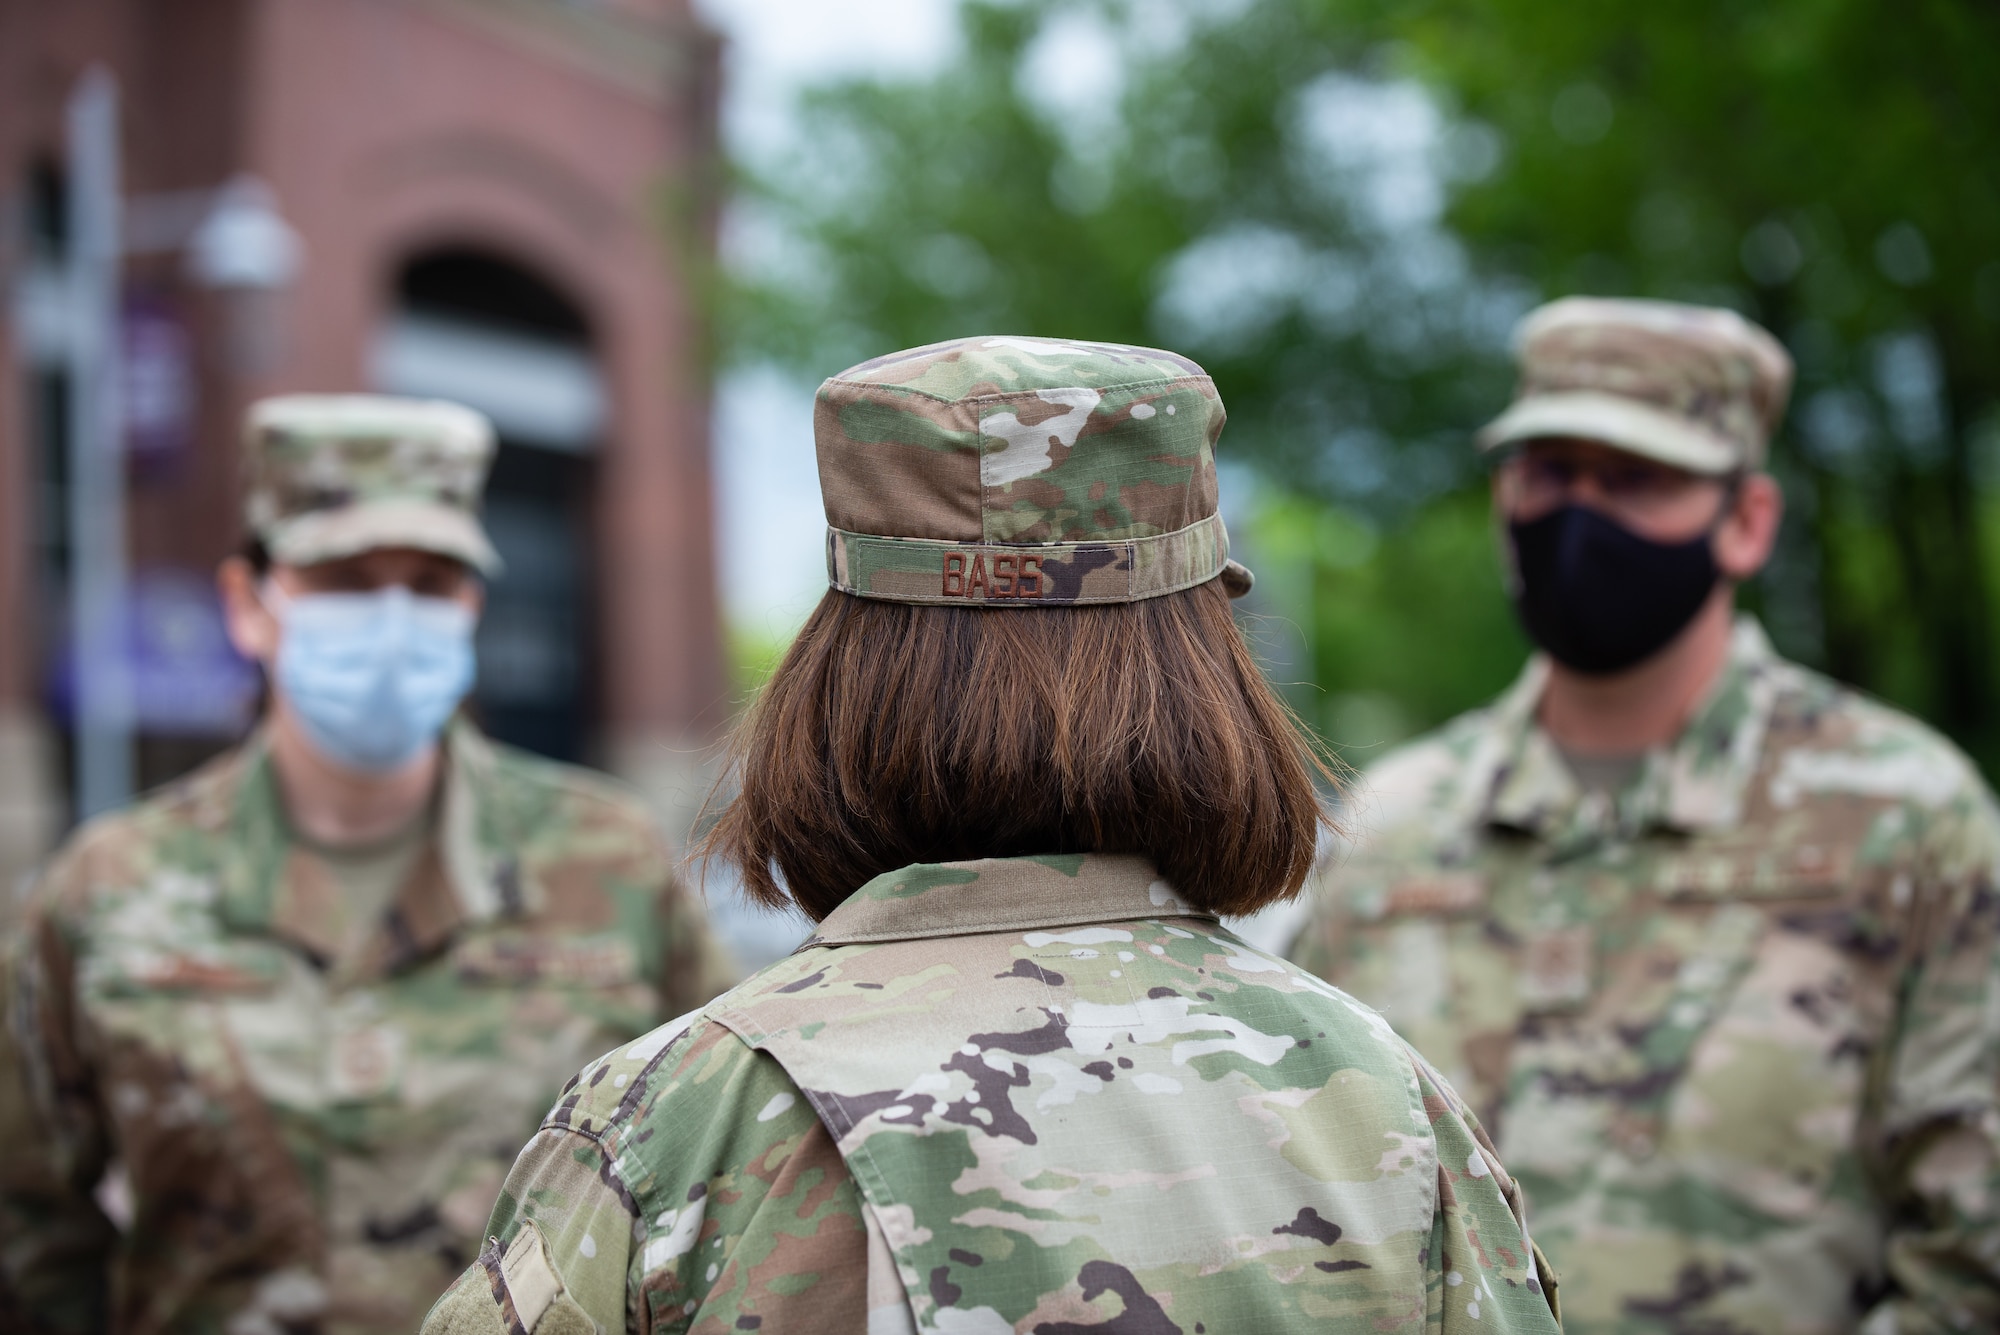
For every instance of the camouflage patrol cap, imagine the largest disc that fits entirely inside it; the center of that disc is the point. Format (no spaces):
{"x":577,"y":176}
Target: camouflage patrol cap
{"x":1692,"y":386}
{"x":1022,"y":472}
{"x":330,"y":475}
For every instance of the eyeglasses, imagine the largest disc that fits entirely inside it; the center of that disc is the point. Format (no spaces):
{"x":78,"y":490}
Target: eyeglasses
{"x":1533,"y":482}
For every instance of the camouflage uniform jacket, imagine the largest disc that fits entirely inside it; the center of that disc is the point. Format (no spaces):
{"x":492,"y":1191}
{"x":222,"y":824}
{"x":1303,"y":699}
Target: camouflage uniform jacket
{"x":1736,"y":1028}
{"x":205,"y":1128}
{"x":1033,"y":1094}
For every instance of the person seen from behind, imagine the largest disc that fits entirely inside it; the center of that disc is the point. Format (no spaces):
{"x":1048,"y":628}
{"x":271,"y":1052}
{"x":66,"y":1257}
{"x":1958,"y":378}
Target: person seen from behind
{"x":1020,"y":1078}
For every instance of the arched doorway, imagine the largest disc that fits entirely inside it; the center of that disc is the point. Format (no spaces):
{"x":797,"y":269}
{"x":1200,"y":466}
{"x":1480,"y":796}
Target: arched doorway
{"x":481,"y":329}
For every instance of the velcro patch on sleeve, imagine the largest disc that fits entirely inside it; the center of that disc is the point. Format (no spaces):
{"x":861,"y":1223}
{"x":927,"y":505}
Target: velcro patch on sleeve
{"x":531,"y":1279}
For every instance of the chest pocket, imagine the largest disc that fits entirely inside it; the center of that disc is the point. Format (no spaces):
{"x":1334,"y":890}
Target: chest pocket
{"x":1769,"y":1082}
{"x":1703,"y":986}
{"x":1742,"y":890}
{"x":1607,"y":1077}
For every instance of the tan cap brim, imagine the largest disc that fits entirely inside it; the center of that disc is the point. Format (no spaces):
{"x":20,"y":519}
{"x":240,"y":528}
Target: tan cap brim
{"x":1623,"y":423}
{"x":327,"y":535}
{"x":1236,"y":578}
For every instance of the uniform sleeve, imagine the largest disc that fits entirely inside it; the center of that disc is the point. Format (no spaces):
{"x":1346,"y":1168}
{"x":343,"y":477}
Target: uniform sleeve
{"x":1484,"y":1271}
{"x":1935,"y":1142}
{"x":55,"y":1242}
{"x":731,"y":1204}
{"x":558,"y":1245}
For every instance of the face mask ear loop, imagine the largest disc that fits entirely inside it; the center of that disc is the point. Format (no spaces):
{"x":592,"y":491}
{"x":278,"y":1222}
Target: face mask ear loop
{"x":1732,"y":490}
{"x":273,"y":599}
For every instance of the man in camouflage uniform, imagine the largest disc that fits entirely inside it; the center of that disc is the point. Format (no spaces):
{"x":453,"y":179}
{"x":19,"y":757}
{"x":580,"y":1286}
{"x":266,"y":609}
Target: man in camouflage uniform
{"x":1707,"y":939}
{"x":245,"y":1013}
{"x":1022,"y":1093}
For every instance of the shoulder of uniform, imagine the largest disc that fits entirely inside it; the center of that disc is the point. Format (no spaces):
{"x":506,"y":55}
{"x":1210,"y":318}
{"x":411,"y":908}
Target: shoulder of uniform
{"x":72,"y":870}
{"x":204,"y":798}
{"x":1447,"y":743}
{"x":605,"y":1094}
{"x":1421,"y":776}
{"x":687,"y":1126}
{"x":514,"y":765}
{"x":117,"y":851}
{"x":571,"y":794}
{"x":1364,"y":1034}
{"x":664,"y":1105}
{"x":1825,"y":737}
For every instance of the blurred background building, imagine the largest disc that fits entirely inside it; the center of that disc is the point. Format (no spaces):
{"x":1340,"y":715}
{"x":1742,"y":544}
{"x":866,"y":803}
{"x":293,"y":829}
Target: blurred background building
{"x":505,"y":202}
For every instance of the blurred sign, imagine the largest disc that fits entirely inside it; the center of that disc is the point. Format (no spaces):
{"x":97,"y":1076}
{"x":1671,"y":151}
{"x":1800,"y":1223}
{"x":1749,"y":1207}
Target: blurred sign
{"x":538,"y":390}
{"x":187,"y":679}
{"x":159,"y":381}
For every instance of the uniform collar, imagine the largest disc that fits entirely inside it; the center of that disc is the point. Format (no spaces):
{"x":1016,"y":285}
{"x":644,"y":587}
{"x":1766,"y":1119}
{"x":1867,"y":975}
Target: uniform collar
{"x":1695,"y":783}
{"x":272,"y":883}
{"x":932,"y":899}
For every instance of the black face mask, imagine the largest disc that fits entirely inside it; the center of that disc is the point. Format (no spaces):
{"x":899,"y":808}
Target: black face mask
{"x":1600,"y":598}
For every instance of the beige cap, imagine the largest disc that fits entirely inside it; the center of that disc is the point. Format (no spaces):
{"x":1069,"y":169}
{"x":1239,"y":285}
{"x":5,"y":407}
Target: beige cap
{"x":329,"y":475}
{"x":1693,"y":386}
{"x":1004,"y":471}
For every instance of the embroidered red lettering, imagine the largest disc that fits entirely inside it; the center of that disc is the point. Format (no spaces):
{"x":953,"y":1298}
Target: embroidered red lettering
{"x":1003,"y":577}
{"x":976,"y":577}
{"x":954,"y":574}
{"x":1029,"y":585}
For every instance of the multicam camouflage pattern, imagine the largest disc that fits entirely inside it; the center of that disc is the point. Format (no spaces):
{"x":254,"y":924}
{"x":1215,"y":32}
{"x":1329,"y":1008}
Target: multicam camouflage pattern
{"x":330,"y":475}
{"x":207,"y":1131}
{"x":1737,"y":1028}
{"x":1034,"y":1095}
{"x":1019,"y":472}
{"x":1695,"y":387}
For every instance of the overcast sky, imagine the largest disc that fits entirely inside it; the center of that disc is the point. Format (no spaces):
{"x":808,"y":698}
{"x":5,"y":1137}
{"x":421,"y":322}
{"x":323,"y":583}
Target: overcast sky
{"x":770,"y":526}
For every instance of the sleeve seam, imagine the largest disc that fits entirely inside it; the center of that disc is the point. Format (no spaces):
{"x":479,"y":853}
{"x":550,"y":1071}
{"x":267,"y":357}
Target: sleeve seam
{"x":611,"y":1157}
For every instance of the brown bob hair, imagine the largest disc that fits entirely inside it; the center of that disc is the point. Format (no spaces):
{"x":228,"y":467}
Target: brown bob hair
{"x":894,"y":734}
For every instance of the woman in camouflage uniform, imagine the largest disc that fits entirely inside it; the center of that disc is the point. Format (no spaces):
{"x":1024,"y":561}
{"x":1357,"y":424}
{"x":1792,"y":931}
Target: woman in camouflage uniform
{"x":1020,"y":1079}
{"x":241,"y":1012}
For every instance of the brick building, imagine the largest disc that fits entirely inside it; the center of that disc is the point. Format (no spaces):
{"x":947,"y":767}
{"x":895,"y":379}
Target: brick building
{"x":507,"y":202}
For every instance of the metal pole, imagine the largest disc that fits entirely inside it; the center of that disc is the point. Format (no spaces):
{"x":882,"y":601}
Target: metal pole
{"x":97,"y":582}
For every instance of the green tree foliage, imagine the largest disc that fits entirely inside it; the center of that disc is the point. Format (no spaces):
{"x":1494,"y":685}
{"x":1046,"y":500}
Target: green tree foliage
{"x":1341,"y":206}
{"x":1832,"y":168}
{"x":1405,"y":627}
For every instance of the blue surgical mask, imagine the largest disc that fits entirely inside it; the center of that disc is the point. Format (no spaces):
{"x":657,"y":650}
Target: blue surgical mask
{"x":374,"y":676}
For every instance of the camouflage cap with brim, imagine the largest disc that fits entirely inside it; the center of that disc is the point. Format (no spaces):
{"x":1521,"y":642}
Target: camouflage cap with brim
{"x":1022,"y":472}
{"x":333,"y":475}
{"x":1695,"y":387}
